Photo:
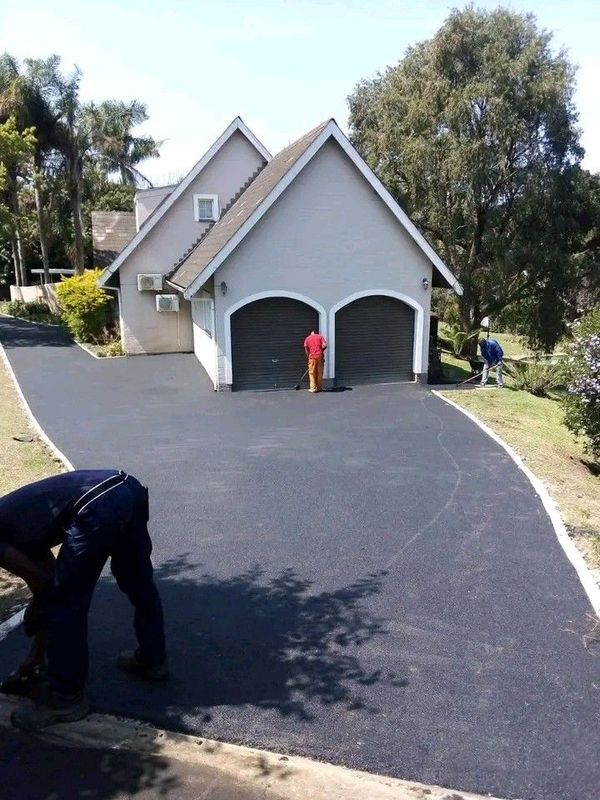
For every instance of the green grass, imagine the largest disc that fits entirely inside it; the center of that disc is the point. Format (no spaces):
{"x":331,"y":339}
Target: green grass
{"x":533,"y":427}
{"x":20,"y":463}
{"x":455,"y":369}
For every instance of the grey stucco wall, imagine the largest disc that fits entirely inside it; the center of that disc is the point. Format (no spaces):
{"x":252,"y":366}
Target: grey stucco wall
{"x":144,"y":330}
{"x":328,"y":237}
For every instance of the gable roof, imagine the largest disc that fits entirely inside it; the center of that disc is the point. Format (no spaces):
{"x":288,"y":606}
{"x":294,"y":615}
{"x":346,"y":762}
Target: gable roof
{"x":206,"y":257}
{"x":222,"y":232}
{"x":170,"y":199}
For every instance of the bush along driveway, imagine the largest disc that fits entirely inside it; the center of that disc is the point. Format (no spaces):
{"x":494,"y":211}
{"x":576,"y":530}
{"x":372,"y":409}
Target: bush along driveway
{"x":362,"y":577}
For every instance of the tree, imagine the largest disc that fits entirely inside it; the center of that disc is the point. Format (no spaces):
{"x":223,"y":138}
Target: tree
{"x":75,"y":142}
{"x":27,"y":97}
{"x":475,"y":132}
{"x":16,"y":163}
{"x":117,"y":149}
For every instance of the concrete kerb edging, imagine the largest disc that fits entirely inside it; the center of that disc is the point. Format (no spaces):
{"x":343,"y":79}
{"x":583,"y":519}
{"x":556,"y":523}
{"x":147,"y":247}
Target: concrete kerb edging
{"x":274,"y":775}
{"x":584,"y":573}
{"x":93,"y":355}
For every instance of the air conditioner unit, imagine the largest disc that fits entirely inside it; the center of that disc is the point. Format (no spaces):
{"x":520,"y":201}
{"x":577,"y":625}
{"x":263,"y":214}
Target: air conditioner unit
{"x":167,"y":302}
{"x":150,"y":282}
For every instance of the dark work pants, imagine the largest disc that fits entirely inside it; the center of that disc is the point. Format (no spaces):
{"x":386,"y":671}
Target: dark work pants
{"x":112,"y":525}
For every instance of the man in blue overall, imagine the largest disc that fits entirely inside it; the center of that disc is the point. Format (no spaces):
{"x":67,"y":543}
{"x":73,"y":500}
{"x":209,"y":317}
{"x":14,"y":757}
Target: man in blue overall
{"x":492,"y":355}
{"x":93,"y":515}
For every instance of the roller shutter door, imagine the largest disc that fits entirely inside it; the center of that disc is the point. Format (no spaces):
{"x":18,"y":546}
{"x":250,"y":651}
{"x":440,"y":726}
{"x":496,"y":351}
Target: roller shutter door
{"x":266,"y":342}
{"x":374,"y":339}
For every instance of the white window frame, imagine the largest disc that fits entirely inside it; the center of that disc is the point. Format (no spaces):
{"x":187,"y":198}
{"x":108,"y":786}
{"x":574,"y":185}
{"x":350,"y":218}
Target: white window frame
{"x":214,"y":198}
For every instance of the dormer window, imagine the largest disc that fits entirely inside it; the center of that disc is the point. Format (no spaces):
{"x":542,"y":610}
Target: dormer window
{"x":206,"y":207}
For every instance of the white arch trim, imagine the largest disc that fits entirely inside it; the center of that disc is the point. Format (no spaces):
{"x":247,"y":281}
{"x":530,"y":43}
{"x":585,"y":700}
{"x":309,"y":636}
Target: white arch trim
{"x":410,"y":301}
{"x":261,"y":296}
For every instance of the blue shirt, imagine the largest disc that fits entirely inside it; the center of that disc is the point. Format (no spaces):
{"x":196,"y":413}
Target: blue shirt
{"x":491,"y":351}
{"x":33,"y":519}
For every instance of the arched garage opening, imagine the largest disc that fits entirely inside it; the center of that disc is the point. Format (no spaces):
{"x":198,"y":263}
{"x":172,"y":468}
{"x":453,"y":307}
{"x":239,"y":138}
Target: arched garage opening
{"x":266,"y":342}
{"x":374,"y":341}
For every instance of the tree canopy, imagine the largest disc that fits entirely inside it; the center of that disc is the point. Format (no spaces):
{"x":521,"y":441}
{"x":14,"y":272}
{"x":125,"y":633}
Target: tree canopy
{"x":78,"y":148}
{"x":475,"y":133}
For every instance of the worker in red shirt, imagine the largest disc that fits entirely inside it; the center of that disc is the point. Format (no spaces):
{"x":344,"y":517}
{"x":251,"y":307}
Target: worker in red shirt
{"x":314,"y":347}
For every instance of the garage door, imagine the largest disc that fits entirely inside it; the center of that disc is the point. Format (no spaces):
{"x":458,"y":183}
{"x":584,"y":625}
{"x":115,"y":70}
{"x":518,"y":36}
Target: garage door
{"x":374,"y":339}
{"x":266,"y":343}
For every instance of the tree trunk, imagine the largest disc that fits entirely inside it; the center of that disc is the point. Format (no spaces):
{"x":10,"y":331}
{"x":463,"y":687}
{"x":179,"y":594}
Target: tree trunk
{"x":15,"y":255}
{"x":19,"y":241}
{"x":41,"y":220}
{"x":75,"y":198}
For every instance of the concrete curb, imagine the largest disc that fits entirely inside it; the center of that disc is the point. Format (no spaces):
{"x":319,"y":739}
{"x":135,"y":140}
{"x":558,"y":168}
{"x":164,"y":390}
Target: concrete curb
{"x":274,"y":775}
{"x":584,"y":573}
{"x":93,"y":355}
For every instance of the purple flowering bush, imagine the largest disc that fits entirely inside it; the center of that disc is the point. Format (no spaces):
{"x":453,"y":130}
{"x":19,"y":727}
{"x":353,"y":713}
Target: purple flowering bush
{"x":582,"y":405}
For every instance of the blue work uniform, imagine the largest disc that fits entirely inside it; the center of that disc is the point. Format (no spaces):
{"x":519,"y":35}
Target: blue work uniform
{"x":491,"y":351}
{"x":93,"y":515}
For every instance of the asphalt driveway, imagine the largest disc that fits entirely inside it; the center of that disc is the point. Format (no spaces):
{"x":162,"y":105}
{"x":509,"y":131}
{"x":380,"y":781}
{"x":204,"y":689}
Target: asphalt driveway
{"x":362,"y":577}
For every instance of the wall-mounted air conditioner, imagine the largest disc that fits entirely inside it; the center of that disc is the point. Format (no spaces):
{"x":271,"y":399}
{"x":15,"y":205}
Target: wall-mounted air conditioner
{"x":150,"y":282}
{"x":167,"y":302}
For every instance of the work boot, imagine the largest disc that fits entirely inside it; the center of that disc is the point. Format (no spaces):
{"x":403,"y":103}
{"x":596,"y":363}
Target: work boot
{"x":24,"y":682}
{"x":130,"y":662}
{"x":49,"y":708}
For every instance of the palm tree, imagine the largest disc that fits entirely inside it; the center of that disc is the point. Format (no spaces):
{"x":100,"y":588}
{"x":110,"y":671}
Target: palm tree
{"x":117,"y":149}
{"x":27,"y":97}
{"x":75,"y":142}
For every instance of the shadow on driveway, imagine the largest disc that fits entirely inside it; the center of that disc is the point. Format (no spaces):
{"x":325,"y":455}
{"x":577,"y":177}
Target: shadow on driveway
{"x":17,"y":333}
{"x":252,"y":641}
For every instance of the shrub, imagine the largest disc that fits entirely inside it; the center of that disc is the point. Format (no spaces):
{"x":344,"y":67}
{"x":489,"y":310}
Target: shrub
{"x":536,"y":377}
{"x":110,"y":350}
{"x":16,"y":308}
{"x":84,"y":304}
{"x":36,"y":311}
{"x":582,"y":405}
{"x":457,"y":342}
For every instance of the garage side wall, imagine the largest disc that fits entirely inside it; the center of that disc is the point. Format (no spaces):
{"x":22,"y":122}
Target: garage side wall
{"x":328,"y":237}
{"x":144,"y":330}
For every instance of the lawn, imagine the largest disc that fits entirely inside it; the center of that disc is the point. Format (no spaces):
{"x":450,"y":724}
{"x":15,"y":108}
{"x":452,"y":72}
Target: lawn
{"x":20,"y":462}
{"x":533,"y":427}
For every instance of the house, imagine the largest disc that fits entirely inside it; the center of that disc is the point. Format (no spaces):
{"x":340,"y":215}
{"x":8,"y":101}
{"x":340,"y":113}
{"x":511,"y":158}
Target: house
{"x":249,"y":252}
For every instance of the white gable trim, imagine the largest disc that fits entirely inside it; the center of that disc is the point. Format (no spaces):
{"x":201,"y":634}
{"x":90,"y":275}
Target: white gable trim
{"x":260,"y":296}
{"x":331,"y":130}
{"x":410,"y":301}
{"x":236,"y":125}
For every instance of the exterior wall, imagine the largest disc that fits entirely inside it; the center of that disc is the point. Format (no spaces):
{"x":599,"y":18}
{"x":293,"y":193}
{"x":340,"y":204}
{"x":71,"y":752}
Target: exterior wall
{"x":146,"y":201}
{"x":205,"y":348}
{"x":31,"y":294}
{"x":144,"y":329}
{"x":328,"y":238}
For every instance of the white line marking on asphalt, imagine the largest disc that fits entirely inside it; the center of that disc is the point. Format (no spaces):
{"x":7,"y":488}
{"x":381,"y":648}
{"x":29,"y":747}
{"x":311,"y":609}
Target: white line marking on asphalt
{"x":581,"y":568}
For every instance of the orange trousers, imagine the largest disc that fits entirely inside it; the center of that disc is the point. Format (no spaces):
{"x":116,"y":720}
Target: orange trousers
{"x":315,"y":374}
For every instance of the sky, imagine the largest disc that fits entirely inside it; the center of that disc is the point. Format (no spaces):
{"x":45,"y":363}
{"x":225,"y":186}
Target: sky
{"x":284,"y":67}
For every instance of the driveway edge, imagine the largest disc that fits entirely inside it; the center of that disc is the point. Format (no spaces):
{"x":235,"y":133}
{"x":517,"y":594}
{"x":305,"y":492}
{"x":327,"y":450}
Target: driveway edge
{"x":275,"y":775}
{"x":584,"y":573}
{"x":31,"y":416}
